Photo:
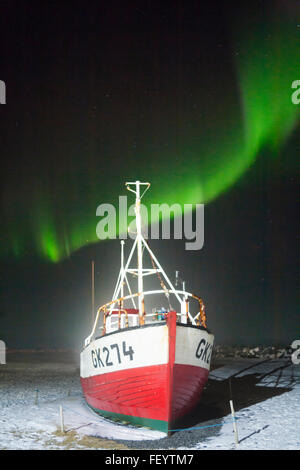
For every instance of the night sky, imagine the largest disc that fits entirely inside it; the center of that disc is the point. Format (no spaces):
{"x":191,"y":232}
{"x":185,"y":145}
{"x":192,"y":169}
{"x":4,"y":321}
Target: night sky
{"x":194,"y":97}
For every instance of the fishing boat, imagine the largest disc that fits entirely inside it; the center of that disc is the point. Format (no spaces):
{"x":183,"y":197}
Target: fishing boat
{"x":146,"y":367}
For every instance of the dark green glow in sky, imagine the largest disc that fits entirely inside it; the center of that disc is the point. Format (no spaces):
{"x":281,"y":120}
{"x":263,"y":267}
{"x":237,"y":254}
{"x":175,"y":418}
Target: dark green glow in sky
{"x":60,"y":213}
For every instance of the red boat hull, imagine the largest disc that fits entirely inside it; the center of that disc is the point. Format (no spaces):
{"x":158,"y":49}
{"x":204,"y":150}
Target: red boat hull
{"x":141,"y":396}
{"x":153,"y":395}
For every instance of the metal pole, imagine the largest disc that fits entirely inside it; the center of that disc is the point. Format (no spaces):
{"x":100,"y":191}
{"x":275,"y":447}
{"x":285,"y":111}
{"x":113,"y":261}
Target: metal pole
{"x":93,"y":293}
{"x":234,"y":424}
{"x":61,"y":419}
{"x":139,"y":249}
{"x":36,"y":397}
{"x":122,"y":271}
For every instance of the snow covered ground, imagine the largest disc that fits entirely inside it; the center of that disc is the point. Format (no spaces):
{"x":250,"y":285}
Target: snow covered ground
{"x":265,"y":392}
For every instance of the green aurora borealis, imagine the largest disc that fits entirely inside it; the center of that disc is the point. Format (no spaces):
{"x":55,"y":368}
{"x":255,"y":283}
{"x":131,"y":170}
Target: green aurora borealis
{"x":54,"y":213}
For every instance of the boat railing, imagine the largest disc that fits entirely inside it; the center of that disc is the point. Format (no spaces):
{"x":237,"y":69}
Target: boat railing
{"x":118,"y":318}
{"x":114,"y":323}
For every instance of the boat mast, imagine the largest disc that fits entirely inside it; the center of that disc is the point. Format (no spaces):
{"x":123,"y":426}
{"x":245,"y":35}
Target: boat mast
{"x":139,"y":242}
{"x":139,"y":248}
{"x":122,"y":271}
{"x":139,"y":245}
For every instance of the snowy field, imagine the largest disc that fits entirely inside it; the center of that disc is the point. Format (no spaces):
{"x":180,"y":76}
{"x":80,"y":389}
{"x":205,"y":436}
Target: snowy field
{"x":265,"y":392}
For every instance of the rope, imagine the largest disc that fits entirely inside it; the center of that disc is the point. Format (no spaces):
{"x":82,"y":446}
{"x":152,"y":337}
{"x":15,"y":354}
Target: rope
{"x":202,"y":427}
